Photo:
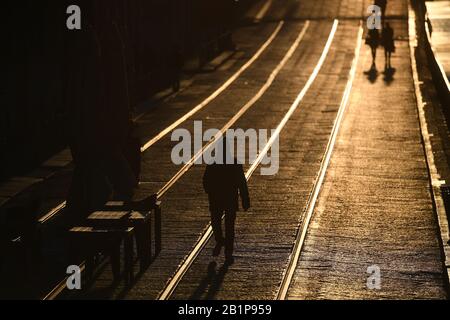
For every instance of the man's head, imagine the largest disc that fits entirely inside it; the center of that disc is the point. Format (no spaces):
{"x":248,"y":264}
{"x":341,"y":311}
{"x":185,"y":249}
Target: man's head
{"x":227,"y":152}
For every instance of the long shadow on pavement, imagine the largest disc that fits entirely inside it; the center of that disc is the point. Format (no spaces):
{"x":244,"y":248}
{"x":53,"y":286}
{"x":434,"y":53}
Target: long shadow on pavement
{"x":372,"y":74}
{"x":389,"y":75}
{"x":213,"y":280}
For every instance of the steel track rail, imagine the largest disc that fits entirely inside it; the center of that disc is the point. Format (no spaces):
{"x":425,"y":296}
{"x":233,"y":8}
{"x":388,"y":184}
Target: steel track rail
{"x":312,"y":200}
{"x":172,"y":284}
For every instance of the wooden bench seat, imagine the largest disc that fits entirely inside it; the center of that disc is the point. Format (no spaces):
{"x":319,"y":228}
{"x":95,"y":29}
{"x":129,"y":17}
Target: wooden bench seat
{"x":87,"y":242}
{"x":141,"y":222}
{"x":120,"y":206}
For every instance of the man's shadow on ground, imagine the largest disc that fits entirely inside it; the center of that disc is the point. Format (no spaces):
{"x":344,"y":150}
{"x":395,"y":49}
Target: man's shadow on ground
{"x":388,"y":75}
{"x":213,"y":280}
{"x":372,"y":73}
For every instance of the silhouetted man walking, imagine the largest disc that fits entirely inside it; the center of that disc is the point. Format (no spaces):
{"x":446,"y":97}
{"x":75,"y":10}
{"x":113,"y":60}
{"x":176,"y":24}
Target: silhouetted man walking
{"x":224,"y":182}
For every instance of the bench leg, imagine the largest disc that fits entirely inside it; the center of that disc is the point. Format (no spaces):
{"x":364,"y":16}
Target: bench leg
{"x":157,"y":230}
{"x":144,"y":244}
{"x":128,"y":248}
{"x":115,"y":260}
{"x":90,"y":266}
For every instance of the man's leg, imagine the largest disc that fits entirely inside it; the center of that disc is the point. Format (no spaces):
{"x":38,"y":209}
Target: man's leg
{"x":216,"y":224}
{"x":230,"y":218}
{"x":374,"y":55}
{"x":386,"y":59}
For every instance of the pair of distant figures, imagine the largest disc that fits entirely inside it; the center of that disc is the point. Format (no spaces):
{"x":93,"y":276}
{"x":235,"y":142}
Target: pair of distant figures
{"x":386,"y":40}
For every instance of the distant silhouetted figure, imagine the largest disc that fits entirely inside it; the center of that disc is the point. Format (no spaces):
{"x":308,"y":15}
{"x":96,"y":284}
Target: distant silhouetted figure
{"x":224,"y":183}
{"x":429,"y":25}
{"x":382,"y":4}
{"x":387,"y":38}
{"x":373,"y":39}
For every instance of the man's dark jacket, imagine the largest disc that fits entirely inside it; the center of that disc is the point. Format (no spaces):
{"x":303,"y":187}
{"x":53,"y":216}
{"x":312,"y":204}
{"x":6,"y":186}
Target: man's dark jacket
{"x":223,"y":183}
